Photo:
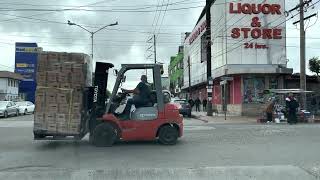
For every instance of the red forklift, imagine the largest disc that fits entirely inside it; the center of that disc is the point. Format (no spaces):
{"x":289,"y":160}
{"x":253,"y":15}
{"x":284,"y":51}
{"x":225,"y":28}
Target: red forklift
{"x":158,"y":120}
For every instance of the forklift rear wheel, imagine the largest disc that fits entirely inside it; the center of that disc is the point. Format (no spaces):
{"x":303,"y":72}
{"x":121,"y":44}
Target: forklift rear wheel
{"x":104,"y":135}
{"x":168,"y":135}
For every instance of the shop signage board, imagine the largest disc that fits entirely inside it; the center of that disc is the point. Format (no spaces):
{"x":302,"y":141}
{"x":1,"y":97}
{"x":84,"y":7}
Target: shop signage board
{"x":26,"y":55}
{"x":248,"y":32}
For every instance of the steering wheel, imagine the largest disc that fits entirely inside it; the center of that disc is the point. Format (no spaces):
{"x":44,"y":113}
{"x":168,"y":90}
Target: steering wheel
{"x":124,"y":92}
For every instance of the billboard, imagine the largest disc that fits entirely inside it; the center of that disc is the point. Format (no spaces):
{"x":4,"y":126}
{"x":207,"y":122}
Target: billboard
{"x":26,"y":55}
{"x":249,"y":32}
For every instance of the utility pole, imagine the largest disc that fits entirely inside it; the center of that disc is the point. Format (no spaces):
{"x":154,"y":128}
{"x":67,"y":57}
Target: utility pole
{"x":209,"y":76}
{"x":189,"y":73}
{"x":155,"y":49}
{"x":303,"y":82}
{"x":302,"y":55}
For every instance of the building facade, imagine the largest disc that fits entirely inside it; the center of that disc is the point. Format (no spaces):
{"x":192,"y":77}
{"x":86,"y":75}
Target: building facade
{"x":248,"y":52}
{"x":194,"y":61}
{"x":175,"y":71}
{"x":9,"y":85}
{"x":165,"y":82}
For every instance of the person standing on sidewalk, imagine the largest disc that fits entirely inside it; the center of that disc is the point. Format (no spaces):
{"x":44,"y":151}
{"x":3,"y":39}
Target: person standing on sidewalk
{"x":292,"y":106}
{"x":269,"y":111}
{"x":197,"y":102}
{"x":191,"y":103}
{"x":204,"y":104}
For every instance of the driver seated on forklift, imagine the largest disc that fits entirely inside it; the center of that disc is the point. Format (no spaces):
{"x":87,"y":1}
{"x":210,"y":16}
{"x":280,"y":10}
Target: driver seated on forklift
{"x":141,"y":98}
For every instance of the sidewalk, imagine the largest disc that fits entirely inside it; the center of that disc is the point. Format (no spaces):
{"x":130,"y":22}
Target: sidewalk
{"x":220,"y":119}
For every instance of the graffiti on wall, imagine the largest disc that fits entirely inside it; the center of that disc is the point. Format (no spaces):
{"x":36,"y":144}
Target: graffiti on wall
{"x":253,"y":89}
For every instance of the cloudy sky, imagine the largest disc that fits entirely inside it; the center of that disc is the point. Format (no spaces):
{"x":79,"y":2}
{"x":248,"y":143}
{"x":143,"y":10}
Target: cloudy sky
{"x":30,"y":21}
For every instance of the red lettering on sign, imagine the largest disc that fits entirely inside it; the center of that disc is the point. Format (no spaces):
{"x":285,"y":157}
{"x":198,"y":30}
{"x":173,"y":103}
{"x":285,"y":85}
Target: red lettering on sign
{"x":266,"y":9}
{"x":266,"y":34}
{"x":256,"y":33}
{"x":277,"y":33}
{"x":276,"y":8}
{"x":235,"y":33}
{"x":245,"y":32}
{"x":231,"y":11}
{"x":246,"y":8}
{"x":254,"y":8}
{"x":197,"y":32}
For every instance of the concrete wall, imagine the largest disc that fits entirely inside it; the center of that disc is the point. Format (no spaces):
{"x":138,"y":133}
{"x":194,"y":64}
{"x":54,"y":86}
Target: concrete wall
{"x":232,"y":109}
{"x":253,"y":109}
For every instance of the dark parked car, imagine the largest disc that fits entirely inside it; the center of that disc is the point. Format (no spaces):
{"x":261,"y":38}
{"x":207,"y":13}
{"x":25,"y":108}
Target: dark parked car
{"x":8,"y":108}
{"x":185,"y":108}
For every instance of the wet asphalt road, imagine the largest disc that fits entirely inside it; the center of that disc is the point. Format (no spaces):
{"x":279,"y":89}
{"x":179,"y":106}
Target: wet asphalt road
{"x":203,"y":145}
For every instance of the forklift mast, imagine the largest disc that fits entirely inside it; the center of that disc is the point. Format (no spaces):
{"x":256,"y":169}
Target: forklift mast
{"x":100,"y":88}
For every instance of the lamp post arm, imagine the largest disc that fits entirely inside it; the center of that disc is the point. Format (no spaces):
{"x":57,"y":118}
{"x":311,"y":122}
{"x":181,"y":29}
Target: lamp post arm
{"x":105,"y":27}
{"x":84,"y":28}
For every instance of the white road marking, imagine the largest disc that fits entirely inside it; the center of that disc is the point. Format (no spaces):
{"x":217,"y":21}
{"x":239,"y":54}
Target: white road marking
{"x":197,"y":128}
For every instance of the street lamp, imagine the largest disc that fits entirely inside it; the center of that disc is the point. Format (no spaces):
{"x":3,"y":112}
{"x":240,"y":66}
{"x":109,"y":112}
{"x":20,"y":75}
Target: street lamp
{"x":91,"y":32}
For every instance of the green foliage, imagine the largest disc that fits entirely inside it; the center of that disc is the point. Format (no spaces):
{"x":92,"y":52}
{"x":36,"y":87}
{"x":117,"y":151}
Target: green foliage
{"x":314,"y":65}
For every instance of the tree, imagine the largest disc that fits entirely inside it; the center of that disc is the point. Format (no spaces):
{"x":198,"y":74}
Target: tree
{"x":314,"y":65}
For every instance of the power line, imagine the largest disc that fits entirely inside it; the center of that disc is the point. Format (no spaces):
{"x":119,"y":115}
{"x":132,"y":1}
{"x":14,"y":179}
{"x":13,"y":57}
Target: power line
{"x":101,"y":10}
{"x":113,"y":6}
{"x":41,"y":14}
{"x":163,"y":17}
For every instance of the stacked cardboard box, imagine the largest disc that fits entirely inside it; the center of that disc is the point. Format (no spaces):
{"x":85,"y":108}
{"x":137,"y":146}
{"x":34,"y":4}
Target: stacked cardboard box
{"x":61,"y":78}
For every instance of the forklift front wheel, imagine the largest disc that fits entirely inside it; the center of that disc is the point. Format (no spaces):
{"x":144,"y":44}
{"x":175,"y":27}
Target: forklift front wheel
{"x":168,"y":135}
{"x":104,"y":135}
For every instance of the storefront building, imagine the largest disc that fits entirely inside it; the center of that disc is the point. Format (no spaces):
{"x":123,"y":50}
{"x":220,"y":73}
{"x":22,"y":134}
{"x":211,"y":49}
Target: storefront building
{"x":194,"y":61}
{"x":248,"y":42}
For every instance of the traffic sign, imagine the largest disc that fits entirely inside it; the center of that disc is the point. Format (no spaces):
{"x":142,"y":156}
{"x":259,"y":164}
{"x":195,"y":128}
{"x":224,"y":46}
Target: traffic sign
{"x":226,"y":78}
{"x":223,"y":82}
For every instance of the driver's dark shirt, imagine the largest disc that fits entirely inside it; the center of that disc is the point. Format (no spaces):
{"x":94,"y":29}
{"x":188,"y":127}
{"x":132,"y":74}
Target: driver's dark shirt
{"x":144,"y":90}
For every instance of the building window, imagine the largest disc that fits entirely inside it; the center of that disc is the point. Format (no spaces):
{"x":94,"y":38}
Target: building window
{"x":273,"y":83}
{"x":253,"y":89}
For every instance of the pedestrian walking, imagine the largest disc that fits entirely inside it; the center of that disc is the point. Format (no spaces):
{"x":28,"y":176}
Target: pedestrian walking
{"x":292,"y":106}
{"x":191,"y":103}
{"x":197,"y":102}
{"x":313,"y":106}
{"x":204,"y":104}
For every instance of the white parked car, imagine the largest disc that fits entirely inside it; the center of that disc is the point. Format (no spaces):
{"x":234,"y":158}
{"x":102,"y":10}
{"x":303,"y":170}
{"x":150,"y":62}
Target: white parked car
{"x":25,"y":107}
{"x":8,"y":108}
